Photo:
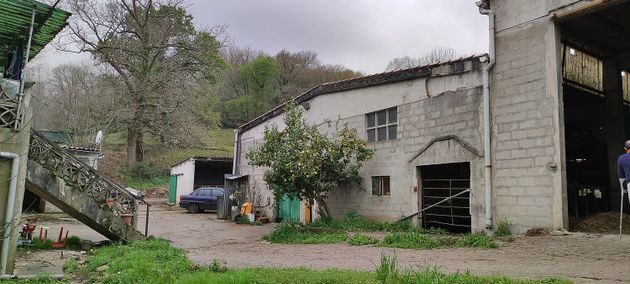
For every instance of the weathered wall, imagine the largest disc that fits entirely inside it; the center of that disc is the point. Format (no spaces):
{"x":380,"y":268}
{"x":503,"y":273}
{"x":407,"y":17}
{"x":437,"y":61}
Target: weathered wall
{"x":453,"y":108}
{"x":185,"y":173}
{"x":528,"y":130}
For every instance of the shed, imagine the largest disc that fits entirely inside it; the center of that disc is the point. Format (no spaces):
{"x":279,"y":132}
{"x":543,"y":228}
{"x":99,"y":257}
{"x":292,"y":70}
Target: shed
{"x":196,"y":172}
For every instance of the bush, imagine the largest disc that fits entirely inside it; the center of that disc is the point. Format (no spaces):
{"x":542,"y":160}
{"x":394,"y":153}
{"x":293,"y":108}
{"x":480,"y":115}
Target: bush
{"x":361,"y":240}
{"x":146,"y":171}
{"x":503,"y":228}
{"x":413,"y":239}
{"x":73,"y":242}
{"x":352,"y":221}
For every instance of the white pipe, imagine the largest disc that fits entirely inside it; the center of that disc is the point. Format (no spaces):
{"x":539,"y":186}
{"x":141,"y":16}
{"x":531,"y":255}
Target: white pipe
{"x":8,"y":220}
{"x":236,"y":134}
{"x":487,"y":151}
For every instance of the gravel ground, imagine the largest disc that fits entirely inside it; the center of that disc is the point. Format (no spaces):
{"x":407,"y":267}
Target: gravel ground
{"x":584,"y":258}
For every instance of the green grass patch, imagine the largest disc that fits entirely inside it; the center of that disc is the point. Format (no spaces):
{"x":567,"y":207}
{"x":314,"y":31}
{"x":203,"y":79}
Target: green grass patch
{"x":352,"y":221}
{"x":156,"y":262}
{"x":361,"y":240}
{"x":292,"y":233}
{"x":421,"y":240}
{"x":152,"y":261}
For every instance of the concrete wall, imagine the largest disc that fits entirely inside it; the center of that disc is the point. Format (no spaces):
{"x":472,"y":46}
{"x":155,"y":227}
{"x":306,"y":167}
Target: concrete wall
{"x":527,"y":115}
{"x":452,"y":108}
{"x":14,"y":142}
{"x":185,"y":173}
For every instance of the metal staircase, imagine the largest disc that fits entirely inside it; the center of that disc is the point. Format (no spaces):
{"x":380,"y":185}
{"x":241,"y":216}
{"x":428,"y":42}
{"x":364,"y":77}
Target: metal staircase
{"x":80,"y":191}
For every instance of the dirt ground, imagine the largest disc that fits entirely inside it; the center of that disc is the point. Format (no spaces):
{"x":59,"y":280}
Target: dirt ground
{"x":584,"y":258}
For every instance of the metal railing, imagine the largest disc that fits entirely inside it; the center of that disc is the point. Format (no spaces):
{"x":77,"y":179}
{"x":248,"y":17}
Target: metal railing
{"x":80,"y":176}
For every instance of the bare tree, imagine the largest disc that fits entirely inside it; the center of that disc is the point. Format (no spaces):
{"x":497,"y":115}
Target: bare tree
{"x":162,"y":60}
{"x":436,"y":55}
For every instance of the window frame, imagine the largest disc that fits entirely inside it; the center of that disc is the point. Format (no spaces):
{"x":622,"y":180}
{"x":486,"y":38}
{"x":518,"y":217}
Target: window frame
{"x":376,"y":126}
{"x":381,"y":182}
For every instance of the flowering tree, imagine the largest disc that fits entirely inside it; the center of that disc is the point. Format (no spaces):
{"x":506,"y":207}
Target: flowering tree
{"x":306,"y":164}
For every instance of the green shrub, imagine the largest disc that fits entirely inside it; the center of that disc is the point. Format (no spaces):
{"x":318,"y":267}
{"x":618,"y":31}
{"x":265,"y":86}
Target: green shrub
{"x":413,"y":239}
{"x":73,"y":242}
{"x":503,"y":228}
{"x":146,"y":171}
{"x":41,"y":244}
{"x":361,"y":240}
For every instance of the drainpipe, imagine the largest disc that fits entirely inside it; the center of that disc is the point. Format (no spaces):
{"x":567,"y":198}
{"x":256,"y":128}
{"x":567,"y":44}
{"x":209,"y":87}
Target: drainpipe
{"x":8,"y":220}
{"x":484,"y":10}
{"x":235,"y":155}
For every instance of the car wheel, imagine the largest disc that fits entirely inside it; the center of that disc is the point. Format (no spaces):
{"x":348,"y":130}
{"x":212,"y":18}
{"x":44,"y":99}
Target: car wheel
{"x":193,"y":208}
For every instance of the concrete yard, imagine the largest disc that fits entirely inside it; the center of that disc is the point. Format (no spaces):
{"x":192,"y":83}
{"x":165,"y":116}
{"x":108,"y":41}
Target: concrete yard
{"x":584,"y":258}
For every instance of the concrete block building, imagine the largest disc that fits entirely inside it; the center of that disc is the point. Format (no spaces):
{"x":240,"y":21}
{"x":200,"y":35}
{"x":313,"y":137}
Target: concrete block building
{"x":533,"y":128}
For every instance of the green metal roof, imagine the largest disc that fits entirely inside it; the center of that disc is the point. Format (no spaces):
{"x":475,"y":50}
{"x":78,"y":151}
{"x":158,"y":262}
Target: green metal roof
{"x":15,"y":21}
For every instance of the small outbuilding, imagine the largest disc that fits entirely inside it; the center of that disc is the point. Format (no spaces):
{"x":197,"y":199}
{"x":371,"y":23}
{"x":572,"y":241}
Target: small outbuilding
{"x":197,"y":172}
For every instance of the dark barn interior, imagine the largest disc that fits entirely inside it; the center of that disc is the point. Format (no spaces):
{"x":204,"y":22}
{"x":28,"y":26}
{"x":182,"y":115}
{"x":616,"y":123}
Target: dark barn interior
{"x":211,"y":172}
{"x":595,"y":61}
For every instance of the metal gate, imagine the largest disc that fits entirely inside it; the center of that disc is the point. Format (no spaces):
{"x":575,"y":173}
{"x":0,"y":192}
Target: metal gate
{"x":172,"y":189}
{"x":453,"y":214}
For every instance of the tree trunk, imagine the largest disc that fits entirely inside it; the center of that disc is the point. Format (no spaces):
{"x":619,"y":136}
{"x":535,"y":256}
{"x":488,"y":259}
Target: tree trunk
{"x":131,"y":147}
{"x":139,"y":145}
{"x":324,"y":211}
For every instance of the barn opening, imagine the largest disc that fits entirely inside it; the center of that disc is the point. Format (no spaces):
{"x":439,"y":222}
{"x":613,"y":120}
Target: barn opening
{"x":595,"y":64}
{"x":438,"y":182}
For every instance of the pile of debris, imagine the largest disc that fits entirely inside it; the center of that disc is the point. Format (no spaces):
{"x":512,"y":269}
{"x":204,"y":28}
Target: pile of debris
{"x":605,"y":223}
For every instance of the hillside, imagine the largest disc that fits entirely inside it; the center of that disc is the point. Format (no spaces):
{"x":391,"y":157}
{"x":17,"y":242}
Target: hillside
{"x":154,"y":171}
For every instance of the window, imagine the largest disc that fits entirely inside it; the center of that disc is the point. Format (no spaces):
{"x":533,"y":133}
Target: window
{"x":217,"y":192}
{"x":625,"y":85}
{"x":380,"y":186}
{"x":382,"y":125}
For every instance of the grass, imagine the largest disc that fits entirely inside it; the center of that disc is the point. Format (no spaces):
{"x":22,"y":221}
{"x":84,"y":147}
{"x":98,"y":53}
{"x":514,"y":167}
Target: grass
{"x":422,"y":240}
{"x":503,"y":228}
{"x":361,"y":240}
{"x":156,"y":262}
{"x":291,"y":233}
{"x":352,"y":221}
{"x":216,"y":143}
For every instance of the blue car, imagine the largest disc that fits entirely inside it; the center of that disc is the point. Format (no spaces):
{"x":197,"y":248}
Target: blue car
{"x":203,"y":198}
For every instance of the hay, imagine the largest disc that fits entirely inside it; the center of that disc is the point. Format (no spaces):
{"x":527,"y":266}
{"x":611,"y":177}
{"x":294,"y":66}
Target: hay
{"x":607,"y":222}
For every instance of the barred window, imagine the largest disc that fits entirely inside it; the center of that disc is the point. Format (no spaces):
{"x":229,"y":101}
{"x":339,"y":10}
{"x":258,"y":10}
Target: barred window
{"x":382,"y":125}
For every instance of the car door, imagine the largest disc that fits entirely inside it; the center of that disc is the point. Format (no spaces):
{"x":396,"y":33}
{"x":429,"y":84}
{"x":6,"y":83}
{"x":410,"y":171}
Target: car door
{"x":217,"y":192}
{"x":205,"y":199}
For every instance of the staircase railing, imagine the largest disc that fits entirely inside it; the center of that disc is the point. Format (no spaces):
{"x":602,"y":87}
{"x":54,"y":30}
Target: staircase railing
{"x":80,"y":176}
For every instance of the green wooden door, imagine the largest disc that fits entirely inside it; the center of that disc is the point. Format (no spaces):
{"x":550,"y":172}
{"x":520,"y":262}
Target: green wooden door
{"x":289,"y":209}
{"x":172,"y":189}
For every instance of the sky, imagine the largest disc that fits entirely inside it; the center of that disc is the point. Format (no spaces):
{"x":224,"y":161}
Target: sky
{"x":363,"y":35}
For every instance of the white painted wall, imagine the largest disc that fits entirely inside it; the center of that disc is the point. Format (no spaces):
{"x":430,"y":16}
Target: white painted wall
{"x":185,"y":173}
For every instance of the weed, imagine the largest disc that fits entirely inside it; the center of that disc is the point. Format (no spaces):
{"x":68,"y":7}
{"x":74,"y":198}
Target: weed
{"x":361,"y":240}
{"x":477,"y":240}
{"x":352,"y":221}
{"x":292,"y":233}
{"x":216,"y":266}
{"x":73,"y":242}
{"x":503,"y":228}
{"x":413,"y":239}
{"x":387,"y":270}
{"x":71,"y":266}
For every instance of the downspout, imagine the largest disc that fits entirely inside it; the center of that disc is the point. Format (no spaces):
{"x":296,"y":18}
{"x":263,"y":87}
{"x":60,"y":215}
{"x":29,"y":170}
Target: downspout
{"x":484,"y":10}
{"x":235,"y":154}
{"x":8,"y":220}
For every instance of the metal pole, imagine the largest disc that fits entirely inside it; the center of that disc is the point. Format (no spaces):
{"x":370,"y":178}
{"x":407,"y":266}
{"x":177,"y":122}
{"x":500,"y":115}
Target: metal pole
{"x":146,"y":222}
{"x":621,"y":208}
{"x":23,"y":78}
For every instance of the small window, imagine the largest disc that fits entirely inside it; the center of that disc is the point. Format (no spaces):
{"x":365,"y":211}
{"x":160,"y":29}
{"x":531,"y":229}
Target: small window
{"x":382,"y":125}
{"x":217,"y":192}
{"x":380,"y":186}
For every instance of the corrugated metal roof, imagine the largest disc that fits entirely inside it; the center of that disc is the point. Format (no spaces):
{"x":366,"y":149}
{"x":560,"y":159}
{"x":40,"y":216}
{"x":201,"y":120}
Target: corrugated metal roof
{"x":15,"y":21}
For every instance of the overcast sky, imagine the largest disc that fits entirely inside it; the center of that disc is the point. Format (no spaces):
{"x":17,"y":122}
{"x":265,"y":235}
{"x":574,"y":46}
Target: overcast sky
{"x":360,"y":34}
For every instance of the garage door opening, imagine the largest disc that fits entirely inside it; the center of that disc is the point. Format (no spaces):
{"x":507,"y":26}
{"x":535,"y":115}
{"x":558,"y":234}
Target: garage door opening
{"x":596,"y":99}
{"x":439,"y":182}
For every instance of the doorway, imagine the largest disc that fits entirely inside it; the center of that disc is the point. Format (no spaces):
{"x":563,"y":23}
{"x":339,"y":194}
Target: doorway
{"x":438,"y":182}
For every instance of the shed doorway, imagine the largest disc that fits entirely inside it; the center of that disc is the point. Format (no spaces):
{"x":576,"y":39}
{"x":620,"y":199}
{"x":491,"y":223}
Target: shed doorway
{"x":438,"y":182}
